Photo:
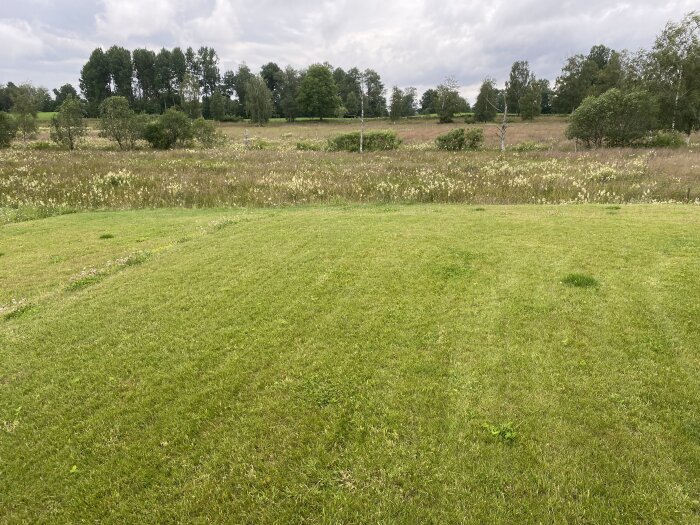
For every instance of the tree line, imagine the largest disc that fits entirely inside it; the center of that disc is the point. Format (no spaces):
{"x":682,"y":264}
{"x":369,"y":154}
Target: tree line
{"x":664,"y":80}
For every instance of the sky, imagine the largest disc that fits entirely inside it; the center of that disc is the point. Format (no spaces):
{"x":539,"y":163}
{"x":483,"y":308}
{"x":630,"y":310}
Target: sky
{"x":408,"y":42}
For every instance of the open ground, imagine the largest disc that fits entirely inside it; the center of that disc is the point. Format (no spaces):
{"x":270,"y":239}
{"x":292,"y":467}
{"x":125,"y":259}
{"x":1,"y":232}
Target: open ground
{"x":257,"y":334}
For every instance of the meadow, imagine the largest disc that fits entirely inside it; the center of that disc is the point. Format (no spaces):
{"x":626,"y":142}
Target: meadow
{"x":257,"y":334}
{"x":263,"y":167}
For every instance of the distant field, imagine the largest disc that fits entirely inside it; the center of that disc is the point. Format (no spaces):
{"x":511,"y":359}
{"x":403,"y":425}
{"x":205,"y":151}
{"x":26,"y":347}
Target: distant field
{"x":378,"y":364}
{"x":45,"y":115}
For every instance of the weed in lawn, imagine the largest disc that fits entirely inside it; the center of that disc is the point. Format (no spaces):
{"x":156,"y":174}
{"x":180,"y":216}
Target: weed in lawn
{"x":503,"y":432}
{"x":107,"y":236}
{"x":579,"y":280}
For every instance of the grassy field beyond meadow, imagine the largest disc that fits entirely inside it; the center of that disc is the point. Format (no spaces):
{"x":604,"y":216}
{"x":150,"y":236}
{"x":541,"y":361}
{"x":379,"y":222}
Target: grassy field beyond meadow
{"x":351,"y":364}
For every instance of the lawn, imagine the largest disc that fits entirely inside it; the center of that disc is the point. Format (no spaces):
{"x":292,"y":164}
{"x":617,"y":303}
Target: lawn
{"x":352,"y":364}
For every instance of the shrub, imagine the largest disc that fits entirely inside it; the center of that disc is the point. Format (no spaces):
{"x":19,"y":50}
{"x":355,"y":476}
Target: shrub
{"x":205,"y":133}
{"x":373,"y":141}
{"x":68,"y":125}
{"x":530,"y":146}
{"x":172,"y":128}
{"x":474,"y":138}
{"x":665,"y":139}
{"x":469,"y":118}
{"x":309,"y":145}
{"x":8,"y":129}
{"x":119,"y":123}
{"x":615,"y":118}
{"x":452,"y":140}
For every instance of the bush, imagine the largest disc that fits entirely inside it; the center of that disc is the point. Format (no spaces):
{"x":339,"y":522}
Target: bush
{"x":373,"y":141}
{"x":205,"y":133}
{"x":452,"y":140}
{"x":68,"y":125}
{"x":615,"y":118}
{"x":8,"y":129}
{"x":665,"y":139}
{"x":119,"y":123}
{"x":469,"y":118}
{"x":172,"y":128}
{"x":474,"y":138}
{"x":310,"y":145}
{"x":530,"y":146}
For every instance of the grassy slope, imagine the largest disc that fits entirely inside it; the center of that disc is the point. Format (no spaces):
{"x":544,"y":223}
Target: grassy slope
{"x":339,"y":364}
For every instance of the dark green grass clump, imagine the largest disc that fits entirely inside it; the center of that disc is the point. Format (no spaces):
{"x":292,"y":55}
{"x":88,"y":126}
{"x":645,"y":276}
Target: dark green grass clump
{"x":579,"y":280}
{"x":107,"y":236}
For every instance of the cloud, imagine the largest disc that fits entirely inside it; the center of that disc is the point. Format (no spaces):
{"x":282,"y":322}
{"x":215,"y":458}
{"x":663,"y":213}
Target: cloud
{"x":409,"y":42}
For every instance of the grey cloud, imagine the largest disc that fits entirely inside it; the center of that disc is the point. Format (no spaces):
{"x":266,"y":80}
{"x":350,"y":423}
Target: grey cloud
{"x":410,"y":42}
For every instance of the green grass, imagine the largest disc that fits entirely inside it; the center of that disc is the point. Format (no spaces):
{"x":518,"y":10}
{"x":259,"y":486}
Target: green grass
{"x":378,"y":364}
{"x":45,"y":116}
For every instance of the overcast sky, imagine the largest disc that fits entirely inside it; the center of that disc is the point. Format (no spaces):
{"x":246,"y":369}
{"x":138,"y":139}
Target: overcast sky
{"x":409,"y":42}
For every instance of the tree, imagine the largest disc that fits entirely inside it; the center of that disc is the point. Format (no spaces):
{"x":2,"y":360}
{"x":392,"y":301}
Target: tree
{"x":95,"y":80}
{"x":375,"y":101}
{"x":288,"y":87}
{"x":396,"y":104}
{"x":119,"y":123}
{"x":208,"y":68}
{"x":573,"y":85}
{"x":615,"y":118}
{"x":24,"y":109}
{"x":428,"y":102}
{"x":408,"y":103}
{"x":272,"y":75}
{"x":317,"y":93}
{"x":164,"y":79}
{"x":530,"y":103}
{"x":240,"y":82}
{"x":518,"y":82}
{"x":672,"y":60}
{"x":485,"y":106}
{"x":217,"y":106}
{"x":121,"y":71}
{"x":189,"y":96}
{"x":447,"y":100}
{"x":145,"y":74}
{"x":68,"y":125}
{"x":258,"y":100}
{"x":8,"y":128}
{"x":62,"y":93}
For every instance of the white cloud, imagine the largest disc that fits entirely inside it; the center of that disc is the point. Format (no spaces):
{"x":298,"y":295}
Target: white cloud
{"x":409,"y":42}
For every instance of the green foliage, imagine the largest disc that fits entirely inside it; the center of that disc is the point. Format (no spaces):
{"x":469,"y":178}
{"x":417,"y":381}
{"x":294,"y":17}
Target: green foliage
{"x":119,"y":123}
{"x":258,"y":100}
{"x":447,"y":100}
{"x":452,"y":140}
{"x":529,"y":145}
{"x":204,"y":132}
{"x":68,"y":125}
{"x":25,"y":110}
{"x":317,"y":93}
{"x":504,"y":432}
{"x":459,"y":139}
{"x":665,"y":139}
{"x":310,"y":145}
{"x":217,"y":106}
{"x":372,"y":141}
{"x":474,"y":138}
{"x":530,"y":103}
{"x":172,"y":128}
{"x":518,"y":84}
{"x":8,"y":129}
{"x":615,"y":118}
{"x":485,"y":106}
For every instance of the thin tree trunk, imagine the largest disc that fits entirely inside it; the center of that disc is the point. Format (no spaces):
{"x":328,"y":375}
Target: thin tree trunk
{"x":678,"y":95}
